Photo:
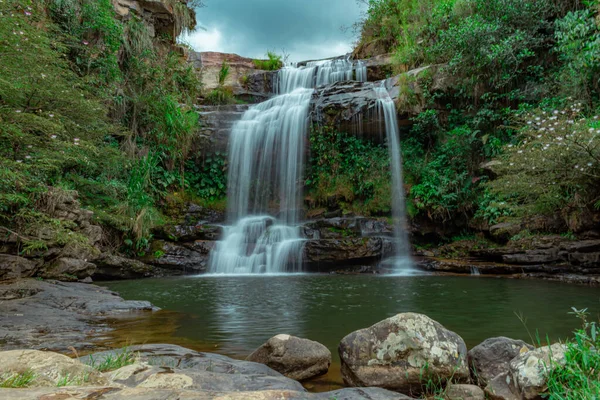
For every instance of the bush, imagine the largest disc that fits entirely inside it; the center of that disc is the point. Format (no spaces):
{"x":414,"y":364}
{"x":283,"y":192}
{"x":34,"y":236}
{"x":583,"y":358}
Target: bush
{"x":273,"y":62}
{"x":554,"y":162}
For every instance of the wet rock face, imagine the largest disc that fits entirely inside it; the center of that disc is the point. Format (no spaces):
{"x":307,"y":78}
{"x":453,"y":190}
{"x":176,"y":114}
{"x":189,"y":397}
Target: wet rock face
{"x":215,"y":128}
{"x":492,"y":357}
{"x":351,"y":107}
{"x":294,"y":357}
{"x":325,"y":254}
{"x":393,"y":353}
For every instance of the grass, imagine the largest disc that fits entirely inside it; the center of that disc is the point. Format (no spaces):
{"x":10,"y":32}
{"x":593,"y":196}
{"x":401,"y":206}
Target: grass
{"x":18,"y":380}
{"x":114,"y":361}
{"x":579,"y":377}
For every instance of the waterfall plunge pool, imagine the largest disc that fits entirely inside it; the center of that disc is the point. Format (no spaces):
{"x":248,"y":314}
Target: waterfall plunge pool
{"x":233,"y":315}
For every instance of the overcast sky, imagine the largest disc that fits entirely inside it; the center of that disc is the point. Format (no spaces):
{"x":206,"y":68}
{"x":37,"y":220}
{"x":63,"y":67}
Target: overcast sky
{"x":305,"y":29}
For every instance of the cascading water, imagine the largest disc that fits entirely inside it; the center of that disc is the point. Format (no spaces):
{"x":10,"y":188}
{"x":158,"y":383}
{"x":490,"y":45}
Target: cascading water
{"x":266,"y":152}
{"x":401,"y":262}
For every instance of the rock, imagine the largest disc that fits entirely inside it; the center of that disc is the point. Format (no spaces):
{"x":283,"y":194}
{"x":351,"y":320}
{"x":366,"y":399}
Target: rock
{"x":177,"y":259}
{"x":491,"y":357}
{"x":530,"y":369}
{"x":15,"y":267}
{"x":464,"y":392}
{"x":532,"y":257}
{"x":119,"y":393}
{"x":182,"y":368}
{"x":294,"y":357}
{"x":68,"y":269}
{"x":30,"y":309}
{"x":502,"y":387}
{"x":113,"y":267}
{"x":217,"y":122}
{"x":393,"y":353}
{"x":190,"y":233}
{"x":325,"y":254}
{"x":48,"y":369}
{"x":505,"y":231}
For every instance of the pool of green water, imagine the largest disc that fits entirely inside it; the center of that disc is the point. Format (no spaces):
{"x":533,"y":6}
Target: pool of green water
{"x":238,"y":314}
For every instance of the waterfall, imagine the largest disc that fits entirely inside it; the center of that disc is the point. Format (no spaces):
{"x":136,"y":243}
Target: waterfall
{"x":475,"y":271}
{"x":402,"y":262}
{"x":266,"y":162}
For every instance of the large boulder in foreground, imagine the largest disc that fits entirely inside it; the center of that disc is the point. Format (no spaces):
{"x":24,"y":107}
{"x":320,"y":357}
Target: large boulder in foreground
{"x":401,"y":353}
{"x":294,"y":357}
{"x":491,"y":357}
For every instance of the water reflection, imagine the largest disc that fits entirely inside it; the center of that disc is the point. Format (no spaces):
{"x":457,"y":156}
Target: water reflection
{"x":238,"y":314}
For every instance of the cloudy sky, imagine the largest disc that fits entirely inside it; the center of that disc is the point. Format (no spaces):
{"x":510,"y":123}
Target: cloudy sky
{"x":304,"y":29}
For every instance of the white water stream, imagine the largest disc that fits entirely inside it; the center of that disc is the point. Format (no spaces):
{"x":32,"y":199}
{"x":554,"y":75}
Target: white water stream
{"x":401,"y":263}
{"x":266,"y":162}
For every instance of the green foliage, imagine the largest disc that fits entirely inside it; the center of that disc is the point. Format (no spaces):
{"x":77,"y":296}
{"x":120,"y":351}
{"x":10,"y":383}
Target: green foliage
{"x":578,"y":377}
{"x":578,"y":46}
{"x":208,"y":179}
{"x":220,"y":96}
{"x":273,"y":62}
{"x":100,"y":109}
{"x":350,"y":170}
{"x":443,"y":184}
{"x":17,"y":380}
{"x":223,"y":73}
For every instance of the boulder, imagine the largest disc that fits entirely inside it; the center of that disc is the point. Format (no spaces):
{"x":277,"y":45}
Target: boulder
{"x":68,"y":269}
{"x":15,"y":267}
{"x":401,"y":353}
{"x":294,"y":357}
{"x":491,"y":357}
{"x":530,"y":369}
{"x":464,"y":392}
{"x":48,"y":369}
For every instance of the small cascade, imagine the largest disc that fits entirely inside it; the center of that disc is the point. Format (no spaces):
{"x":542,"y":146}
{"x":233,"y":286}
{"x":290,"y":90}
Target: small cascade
{"x":402,"y":262}
{"x":266,"y":162}
{"x":475,"y":271}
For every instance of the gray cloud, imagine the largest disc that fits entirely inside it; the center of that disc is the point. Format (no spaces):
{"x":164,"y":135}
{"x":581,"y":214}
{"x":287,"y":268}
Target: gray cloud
{"x":305,"y":29}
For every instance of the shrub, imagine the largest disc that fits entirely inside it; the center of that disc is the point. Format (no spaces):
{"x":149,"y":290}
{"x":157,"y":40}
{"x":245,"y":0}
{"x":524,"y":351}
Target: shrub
{"x":555,"y":161}
{"x":272,"y":63}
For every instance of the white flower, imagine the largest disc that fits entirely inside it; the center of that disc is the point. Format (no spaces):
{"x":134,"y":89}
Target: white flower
{"x":520,"y":151}
{"x":76,"y":139}
{"x":53,"y":137}
{"x":589,"y":164}
{"x":28,"y":157}
{"x":51,"y":115}
{"x":19,"y":161}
